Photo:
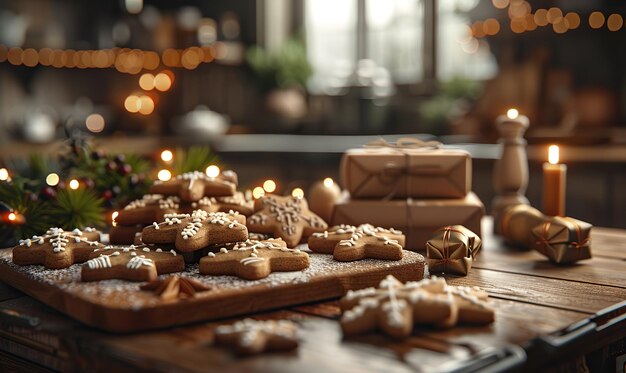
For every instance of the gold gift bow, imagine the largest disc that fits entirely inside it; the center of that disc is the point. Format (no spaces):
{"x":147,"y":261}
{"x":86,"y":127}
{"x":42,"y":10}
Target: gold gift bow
{"x":393,"y":172}
{"x":578,"y":245}
{"x":446,"y":246}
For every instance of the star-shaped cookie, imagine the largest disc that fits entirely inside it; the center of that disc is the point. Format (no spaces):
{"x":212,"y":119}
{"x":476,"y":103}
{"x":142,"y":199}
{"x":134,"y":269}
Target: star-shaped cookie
{"x":57,"y":248}
{"x":395,"y":308}
{"x":348,"y":243}
{"x":250,"y":336}
{"x":132,"y":263}
{"x":192,"y":186}
{"x":195,"y":231}
{"x":254,"y":260}
{"x":286,"y":217}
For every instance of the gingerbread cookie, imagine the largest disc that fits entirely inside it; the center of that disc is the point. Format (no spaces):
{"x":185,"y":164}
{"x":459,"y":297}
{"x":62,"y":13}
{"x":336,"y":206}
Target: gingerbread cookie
{"x":253,"y":260}
{"x":57,"y":248}
{"x":132,"y":263}
{"x":192,"y":186}
{"x":286,"y":217}
{"x":250,"y":336}
{"x":395,"y":308}
{"x":175,"y":287}
{"x":147,"y":209}
{"x":348,"y":243}
{"x":197,"y":231}
{"x":240,"y":202}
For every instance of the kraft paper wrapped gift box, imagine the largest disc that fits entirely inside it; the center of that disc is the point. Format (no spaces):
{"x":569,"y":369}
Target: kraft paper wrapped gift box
{"x":416,"y":218}
{"x":399,"y":172}
{"x":563,"y":240}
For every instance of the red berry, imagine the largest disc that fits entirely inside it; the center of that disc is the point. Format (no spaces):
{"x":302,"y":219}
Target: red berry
{"x":48,"y":192}
{"x":125,"y":169}
{"x":107,"y":195}
{"x":90,"y":184}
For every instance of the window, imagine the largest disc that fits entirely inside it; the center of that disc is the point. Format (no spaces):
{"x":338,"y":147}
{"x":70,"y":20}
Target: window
{"x":378,"y":42}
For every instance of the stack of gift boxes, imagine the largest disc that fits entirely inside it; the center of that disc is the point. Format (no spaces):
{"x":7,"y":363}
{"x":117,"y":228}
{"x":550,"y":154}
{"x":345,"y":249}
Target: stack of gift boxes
{"x":415,"y":187}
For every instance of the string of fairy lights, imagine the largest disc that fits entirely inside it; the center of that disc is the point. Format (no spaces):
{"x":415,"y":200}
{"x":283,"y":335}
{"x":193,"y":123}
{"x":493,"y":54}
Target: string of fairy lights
{"x":522,"y":18}
{"x":124,"y":60}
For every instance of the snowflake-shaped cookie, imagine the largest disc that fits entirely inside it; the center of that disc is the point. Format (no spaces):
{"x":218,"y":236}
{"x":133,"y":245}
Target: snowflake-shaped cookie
{"x":286,"y":217}
{"x":395,"y":308}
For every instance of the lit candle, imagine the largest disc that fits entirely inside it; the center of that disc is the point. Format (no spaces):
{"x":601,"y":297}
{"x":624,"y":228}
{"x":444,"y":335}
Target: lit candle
{"x":322,"y":198}
{"x":554,"y":184}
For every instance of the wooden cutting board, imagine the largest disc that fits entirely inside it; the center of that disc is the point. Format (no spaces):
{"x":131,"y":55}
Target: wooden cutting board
{"x":120,"y":306}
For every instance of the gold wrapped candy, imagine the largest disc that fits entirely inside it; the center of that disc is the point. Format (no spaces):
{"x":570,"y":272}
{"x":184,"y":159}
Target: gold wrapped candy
{"x":517,"y":223}
{"x":563,"y":239}
{"x":452,"y":250}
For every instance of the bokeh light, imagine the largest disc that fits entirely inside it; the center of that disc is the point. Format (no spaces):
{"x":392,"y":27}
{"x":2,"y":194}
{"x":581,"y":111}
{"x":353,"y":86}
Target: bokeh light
{"x":4,"y":174}
{"x":258,"y":192}
{"x":167,"y":155}
{"x":95,"y":123}
{"x":297,"y":193}
{"x":269,"y":186}
{"x":164,"y":175}
{"x":52,"y":179}
{"x":212,"y":171}
{"x":146,"y":82}
{"x":162,"y":82}
{"x":74,"y":184}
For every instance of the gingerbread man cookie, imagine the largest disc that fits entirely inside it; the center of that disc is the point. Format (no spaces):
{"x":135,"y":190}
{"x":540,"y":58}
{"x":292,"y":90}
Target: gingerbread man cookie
{"x":132,"y":263}
{"x":254,"y":260}
{"x":57,"y":248}
{"x":286,"y":217}
{"x":175,"y":287}
{"x":192,"y":186}
{"x":197,"y":231}
{"x":395,"y":308}
{"x":348,"y":243}
{"x":250,"y":336}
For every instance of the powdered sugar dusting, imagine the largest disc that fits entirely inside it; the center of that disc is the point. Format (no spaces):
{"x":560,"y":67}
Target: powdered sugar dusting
{"x":126,"y":294}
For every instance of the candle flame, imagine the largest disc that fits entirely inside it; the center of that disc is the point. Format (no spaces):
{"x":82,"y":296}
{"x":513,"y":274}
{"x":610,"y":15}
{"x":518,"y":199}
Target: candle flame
{"x":553,"y":154}
{"x":114,"y":215}
{"x":512,"y":113}
{"x":328,"y":182}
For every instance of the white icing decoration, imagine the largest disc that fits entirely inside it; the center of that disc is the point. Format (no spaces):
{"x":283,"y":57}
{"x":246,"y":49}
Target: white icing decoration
{"x":250,"y":260}
{"x":137,"y":261}
{"x":103,"y":261}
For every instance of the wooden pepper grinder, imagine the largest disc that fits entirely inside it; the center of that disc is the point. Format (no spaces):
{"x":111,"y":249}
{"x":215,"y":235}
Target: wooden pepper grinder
{"x":510,"y":176}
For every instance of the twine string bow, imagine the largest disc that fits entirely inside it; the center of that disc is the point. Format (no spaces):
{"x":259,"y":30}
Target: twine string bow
{"x":393,"y":172}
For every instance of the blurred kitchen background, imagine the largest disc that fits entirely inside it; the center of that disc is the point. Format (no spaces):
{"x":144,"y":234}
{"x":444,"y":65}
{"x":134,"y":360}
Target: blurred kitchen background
{"x":281,"y":88}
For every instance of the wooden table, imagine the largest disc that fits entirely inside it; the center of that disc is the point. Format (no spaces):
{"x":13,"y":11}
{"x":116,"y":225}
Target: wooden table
{"x":534,"y":300}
